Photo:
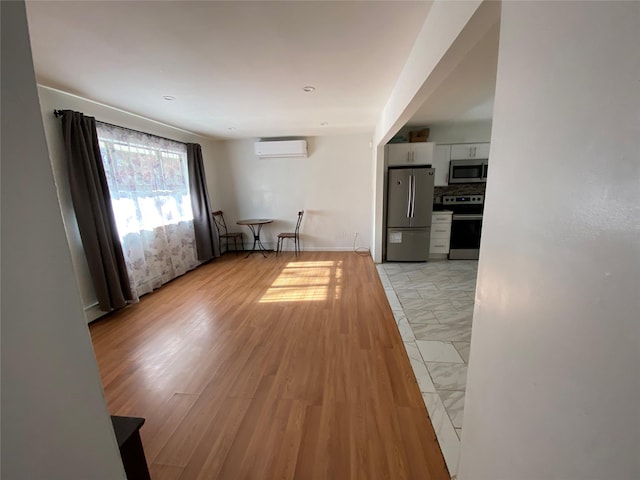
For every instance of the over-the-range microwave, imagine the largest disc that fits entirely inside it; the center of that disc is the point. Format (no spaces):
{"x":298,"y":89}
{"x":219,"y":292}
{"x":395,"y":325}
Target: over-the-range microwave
{"x":468,"y":171}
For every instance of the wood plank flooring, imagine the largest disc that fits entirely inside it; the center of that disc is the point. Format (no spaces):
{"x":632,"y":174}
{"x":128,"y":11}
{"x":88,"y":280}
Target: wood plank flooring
{"x":269,"y":368}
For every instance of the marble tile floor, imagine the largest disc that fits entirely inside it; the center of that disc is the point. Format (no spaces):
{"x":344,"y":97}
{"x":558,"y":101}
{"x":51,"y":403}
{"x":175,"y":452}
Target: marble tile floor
{"x":433,"y":306}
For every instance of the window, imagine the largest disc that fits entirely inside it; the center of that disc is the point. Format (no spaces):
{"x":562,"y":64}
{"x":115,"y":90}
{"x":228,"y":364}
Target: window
{"x":147,"y":178}
{"x":149,"y":188}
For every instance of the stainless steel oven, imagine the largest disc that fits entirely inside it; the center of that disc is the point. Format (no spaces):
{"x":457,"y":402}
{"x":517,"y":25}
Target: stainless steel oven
{"x":466,"y":225}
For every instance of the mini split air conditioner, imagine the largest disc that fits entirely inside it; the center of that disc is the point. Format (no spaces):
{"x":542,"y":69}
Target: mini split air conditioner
{"x":282,"y":149}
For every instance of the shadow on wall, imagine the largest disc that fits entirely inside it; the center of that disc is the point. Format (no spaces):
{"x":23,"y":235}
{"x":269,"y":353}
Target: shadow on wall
{"x":317,"y":225}
{"x":311,"y":146}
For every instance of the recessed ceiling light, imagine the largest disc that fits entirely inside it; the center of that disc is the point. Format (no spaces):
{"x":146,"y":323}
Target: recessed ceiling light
{"x":169,"y":97}
{"x":324,"y":124}
{"x":309,"y":88}
{"x":231,"y":129}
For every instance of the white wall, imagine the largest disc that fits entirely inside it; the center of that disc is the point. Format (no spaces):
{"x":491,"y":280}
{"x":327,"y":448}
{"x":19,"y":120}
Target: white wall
{"x":553,"y":385}
{"x":51,"y":99}
{"x":444,"y":23}
{"x":464,"y":132}
{"x":458,"y":132}
{"x":55,"y":423}
{"x":332,"y":185}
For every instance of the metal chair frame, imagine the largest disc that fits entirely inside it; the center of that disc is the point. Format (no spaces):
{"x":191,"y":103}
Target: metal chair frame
{"x":293,"y":235}
{"x":221,"y":226}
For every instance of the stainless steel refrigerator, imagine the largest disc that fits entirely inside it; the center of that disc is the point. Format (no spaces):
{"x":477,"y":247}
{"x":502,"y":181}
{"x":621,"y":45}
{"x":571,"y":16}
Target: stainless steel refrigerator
{"x":409,"y":208}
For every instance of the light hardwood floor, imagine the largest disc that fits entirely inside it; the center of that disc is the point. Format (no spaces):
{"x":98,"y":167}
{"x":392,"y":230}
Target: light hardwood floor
{"x":269,"y":368}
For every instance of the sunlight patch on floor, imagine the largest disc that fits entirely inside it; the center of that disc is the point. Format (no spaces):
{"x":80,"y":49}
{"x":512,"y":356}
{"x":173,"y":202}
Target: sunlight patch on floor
{"x":306,"y":281}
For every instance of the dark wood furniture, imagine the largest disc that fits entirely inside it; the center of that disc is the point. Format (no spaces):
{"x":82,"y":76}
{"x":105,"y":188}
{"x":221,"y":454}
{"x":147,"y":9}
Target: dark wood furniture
{"x":127,"y":430}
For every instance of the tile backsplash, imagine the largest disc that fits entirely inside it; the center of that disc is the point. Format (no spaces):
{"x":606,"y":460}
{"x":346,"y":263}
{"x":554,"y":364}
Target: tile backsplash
{"x":459,"y":189}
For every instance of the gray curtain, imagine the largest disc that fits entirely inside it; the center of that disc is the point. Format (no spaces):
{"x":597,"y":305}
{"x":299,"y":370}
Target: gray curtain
{"x":202,"y":221}
{"x":94,"y":214}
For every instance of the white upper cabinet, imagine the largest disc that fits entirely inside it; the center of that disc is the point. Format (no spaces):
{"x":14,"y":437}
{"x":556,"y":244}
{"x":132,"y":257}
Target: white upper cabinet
{"x":418,"y":153}
{"x":470,"y":150}
{"x":398,"y":153}
{"x":423,"y":152}
{"x":482,"y":150}
{"x":441,"y":164}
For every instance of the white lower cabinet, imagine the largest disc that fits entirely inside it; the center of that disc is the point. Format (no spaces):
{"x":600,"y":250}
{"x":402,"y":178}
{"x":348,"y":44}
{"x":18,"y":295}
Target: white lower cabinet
{"x":439,"y":246}
{"x":440,"y":233}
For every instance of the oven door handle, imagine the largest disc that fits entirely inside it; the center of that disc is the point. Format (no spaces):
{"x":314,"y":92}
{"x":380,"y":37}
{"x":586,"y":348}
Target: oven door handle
{"x":462,"y":216}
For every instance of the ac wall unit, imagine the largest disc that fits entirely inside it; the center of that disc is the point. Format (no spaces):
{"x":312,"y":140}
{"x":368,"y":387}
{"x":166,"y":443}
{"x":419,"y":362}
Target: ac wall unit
{"x":282,"y":149}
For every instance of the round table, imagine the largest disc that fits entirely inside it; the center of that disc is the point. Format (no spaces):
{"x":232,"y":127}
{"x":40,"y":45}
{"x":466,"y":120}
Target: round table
{"x":255,"y":225}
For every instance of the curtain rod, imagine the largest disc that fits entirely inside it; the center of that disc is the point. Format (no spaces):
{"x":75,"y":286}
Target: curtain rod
{"x":59,"y":113}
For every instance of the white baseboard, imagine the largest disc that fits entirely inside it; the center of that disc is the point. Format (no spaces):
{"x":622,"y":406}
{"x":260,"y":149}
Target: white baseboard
{"x":93,"y":312}
{"x":289,"y":247}
{"x":327,"y":249}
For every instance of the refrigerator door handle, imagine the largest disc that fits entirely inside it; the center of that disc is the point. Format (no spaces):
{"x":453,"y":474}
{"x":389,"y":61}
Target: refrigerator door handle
{"x":413,"y":196}
{"x":409,"y":199}
{"x":413,"y":193}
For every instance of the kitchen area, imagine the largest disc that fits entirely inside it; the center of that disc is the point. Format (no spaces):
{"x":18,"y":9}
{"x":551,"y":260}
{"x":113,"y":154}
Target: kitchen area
{"x":435,"y":187}
{"x":434,"y":199}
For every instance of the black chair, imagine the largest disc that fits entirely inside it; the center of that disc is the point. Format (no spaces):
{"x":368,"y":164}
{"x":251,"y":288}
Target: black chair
{"x":223,"y":233}
{"x":294,"y":235}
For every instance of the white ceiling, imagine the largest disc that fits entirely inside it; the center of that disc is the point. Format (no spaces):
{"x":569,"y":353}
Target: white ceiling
{"x":237,"y":69}
{"x":467,"y":94}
